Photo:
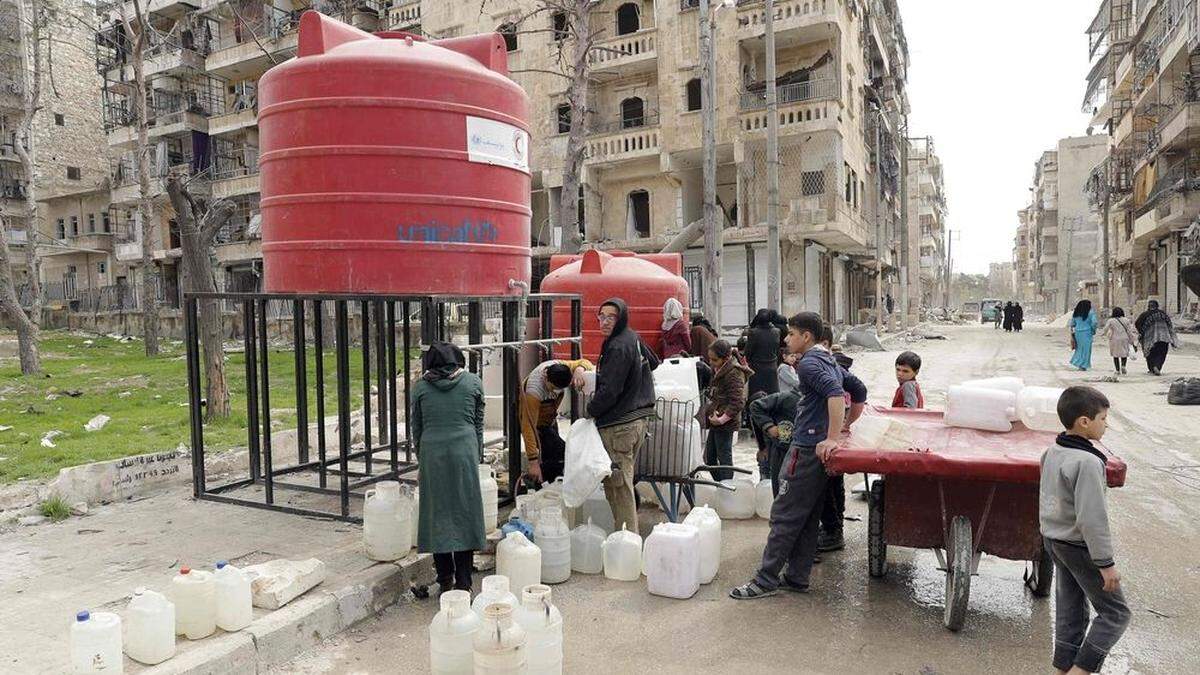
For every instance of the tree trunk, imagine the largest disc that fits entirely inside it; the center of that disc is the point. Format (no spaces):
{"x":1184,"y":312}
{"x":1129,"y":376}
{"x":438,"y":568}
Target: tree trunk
{"x":568,"y":210}
{"x":195,"y":240}
{"x":27,"y":331}
{"x":145,"y":201}
{"x":33,"y":262}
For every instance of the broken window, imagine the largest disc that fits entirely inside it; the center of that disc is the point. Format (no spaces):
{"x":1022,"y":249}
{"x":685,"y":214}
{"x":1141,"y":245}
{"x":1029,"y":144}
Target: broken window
{"x":559,"y":26}
{"x":633,"y":113}
{"x":638,"y":215}
{"x":563,"y":115}
{"x":695,"y":98}
{"x":509,"y":32}
{"x":629,"y":19}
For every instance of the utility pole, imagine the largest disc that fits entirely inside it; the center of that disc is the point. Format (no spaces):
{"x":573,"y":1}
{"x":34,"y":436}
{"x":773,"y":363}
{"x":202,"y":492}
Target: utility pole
{"x":774,"y":299}
{"x":879,"y":304}
{"x":712,"y":227}
{"x":949,"y":266}
{"x":904,"y":257}
{"x":1105,"y":278}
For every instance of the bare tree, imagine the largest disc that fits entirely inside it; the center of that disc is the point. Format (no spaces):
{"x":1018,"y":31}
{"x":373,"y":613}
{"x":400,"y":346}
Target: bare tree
{"x":136,"y":32}
{"x":35,"y":26}
{"x":198,"y":225}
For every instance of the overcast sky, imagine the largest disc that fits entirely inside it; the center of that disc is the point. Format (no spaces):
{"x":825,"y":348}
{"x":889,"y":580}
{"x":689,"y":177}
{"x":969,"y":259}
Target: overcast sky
{"x":995,"y":84}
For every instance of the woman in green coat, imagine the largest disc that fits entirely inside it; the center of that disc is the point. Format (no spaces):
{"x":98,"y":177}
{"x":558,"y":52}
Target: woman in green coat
{"x":447,"y":425}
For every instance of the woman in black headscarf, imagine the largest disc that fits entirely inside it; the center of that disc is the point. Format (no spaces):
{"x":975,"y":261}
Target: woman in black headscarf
{"x":762,"y":352}
{"x":1010,"y":315}
{"x":447,"y":427}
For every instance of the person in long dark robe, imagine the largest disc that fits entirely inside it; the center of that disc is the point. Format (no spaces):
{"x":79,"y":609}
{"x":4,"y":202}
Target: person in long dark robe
{"x":762,"y":353}
{"x":1018,"y":317}
{"x":1009,"y":314}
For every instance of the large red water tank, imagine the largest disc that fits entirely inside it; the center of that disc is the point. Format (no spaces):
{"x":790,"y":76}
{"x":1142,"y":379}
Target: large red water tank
{"x":644,"y":282}
{"x":393,"y":165}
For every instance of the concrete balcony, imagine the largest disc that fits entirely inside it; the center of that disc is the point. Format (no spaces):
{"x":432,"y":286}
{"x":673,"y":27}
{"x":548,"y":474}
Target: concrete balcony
{"x":166,"y":124}
{"x":130,"y":193}
{"x":169,"y":59}
{"x":232,"y":122}
{"x":128,"y":251}
{"x":248,"y":60}
{"x":1171,"y":212}
{"x":1124,"y":251}
{"x":95,"y":241}
{"x":168,"y":8}
{"x":1181,"y":129}
{"x":795,"y":118}
{"x":839,"y":228}
{"x":233,"y":186}
{"x":796,"y":21}
{"x":626,"y":54}
{"x":1124,"y":128}
{"x":625,"y":144}
{"x":405,"y":15}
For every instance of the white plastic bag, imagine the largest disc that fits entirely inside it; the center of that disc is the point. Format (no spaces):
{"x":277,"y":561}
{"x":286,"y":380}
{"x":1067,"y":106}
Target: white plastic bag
{"x":586,"y":463}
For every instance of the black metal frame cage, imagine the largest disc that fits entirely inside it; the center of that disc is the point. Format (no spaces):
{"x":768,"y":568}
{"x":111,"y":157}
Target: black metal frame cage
{"x":340,"y":469}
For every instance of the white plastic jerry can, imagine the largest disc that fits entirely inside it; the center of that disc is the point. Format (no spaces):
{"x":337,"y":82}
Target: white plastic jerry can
{"x":623,"y":555}
{"x":587,"y":549}
{"x":708,"y":524}
{"x":149,"y":627}
{"x":194,"y":595}
{"x":764,"y":498}
{"x":235,"y":600}
{"x":452,"y":635}
{"x":387,"y":522}
{"x":96,"y":643}
{"x":490,"y":491}
{"x":543,"y":625}
{"x":672,"y":560}
{"x":738,"y":504}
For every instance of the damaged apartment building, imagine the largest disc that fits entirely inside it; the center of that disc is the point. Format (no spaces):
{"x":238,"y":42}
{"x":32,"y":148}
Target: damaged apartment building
{"x":842,"y":109}
{"x":1144,"y":90}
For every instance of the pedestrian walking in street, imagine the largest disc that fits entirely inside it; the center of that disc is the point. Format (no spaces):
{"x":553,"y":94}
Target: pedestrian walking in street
{"x":908,"y":393}
{"x":447,"y":427}
{"x":1158,"y":336}
{"x":1009,"y":315}
{"x":796,"y":512}
{"x":1074,"y":525}
{"x":1018,"y":317}
{"x":622,"y":404}
{"x":702,"y":336}
{"x":1083,"y":331}
{"x":1122,"y":339}
{"x":762,"y":353}
{"x":727,"y":394}
{"x":676,"y":335}
{"x":541,"y":395}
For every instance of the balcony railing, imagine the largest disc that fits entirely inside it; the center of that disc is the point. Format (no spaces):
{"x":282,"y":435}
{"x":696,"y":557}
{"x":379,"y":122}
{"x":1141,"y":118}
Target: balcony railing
{"x":609,"y":127}
{"x":13,"y":188}
{"x":796,"y":92}
{"x":272,"y":24}
{"x":623,"y":49}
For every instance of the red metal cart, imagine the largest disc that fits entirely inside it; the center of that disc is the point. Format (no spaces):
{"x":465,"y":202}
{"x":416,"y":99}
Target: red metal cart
{"x":960,"y":492}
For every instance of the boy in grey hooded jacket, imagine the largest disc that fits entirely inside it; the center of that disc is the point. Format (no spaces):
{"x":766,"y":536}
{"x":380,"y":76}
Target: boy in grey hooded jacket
{"x":1074,"y":523}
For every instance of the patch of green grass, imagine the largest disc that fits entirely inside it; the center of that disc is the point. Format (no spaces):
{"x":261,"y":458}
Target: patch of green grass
{"x":55,"y":509}
{"x":84,"y":376}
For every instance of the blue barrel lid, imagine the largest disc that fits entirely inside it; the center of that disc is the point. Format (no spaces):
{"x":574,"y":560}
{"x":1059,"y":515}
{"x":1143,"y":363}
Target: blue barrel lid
{"x":83,"y":616}
{"x":222,"y":563}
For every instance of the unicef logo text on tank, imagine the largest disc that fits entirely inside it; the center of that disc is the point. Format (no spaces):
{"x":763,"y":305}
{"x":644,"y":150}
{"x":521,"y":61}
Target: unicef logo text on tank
{"x":480,"y":141}
{"x":466,"y":232}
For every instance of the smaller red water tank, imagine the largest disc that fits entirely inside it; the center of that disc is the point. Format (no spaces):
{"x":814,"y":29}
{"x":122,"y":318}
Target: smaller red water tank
{"x":644,"y":282}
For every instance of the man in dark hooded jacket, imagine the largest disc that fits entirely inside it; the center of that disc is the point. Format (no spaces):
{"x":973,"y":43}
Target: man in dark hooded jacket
{"x":622,"y":404}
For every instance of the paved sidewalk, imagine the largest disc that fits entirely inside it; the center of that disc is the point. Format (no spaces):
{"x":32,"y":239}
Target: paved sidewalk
{"x":49,"y":572}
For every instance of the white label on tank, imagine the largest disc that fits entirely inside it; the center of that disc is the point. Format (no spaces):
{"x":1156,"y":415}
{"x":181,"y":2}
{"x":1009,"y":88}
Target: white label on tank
{"x":497,"y":143}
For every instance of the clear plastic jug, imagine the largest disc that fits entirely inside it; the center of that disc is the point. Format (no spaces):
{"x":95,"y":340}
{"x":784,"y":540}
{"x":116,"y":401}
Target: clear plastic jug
{"x":623,"y":555}
{"x":1007,"y":383}
{"x":543,"y":625}
{"x":587,"y":549}
{"x":596,"y":509}
{"x":520,"y":560}
{"x":96,"y":644}
{"x":1038,"y":408}
{"x":387,"y":522}
{"x":493,"y":589}
{"x":976,"y":408}
{"x":235,"y":600}
{"x":708,"y":524}
{"x":149,"y":627}
{"x":672,"y":560}
{"x":416,"y":515}
{"x":763,"y":498}
{"x":490,"y":492}
{"x":452,"y":635}
{"x":738,"y":504}
{"x":195,"y":598}
{"x":554,"y":539}
{"x":500,"y":643}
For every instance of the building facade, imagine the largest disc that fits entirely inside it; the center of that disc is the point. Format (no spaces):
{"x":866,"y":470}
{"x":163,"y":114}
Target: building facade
{"x":1143,"y":89}
{"x":927,"y":224}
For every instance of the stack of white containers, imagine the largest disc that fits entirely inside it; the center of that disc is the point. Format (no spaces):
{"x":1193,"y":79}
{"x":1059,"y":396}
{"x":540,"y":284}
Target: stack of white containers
{"x":993,"y":404}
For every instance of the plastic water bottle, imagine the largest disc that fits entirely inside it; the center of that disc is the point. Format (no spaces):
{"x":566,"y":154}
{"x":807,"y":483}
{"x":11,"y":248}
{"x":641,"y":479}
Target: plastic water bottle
{"x":96,"y":643}
{"x":587,"y":549}
{"x":194,"y":594}
{"x":452,"y":635}
{"x":519,"y":560}
{"x":543,"y":625}
{"x":493,"y":590}
{"x":490,"y":491}
{"x":387,"y":519}
{"x":500,"y":643}
{"x":554,"y":539}
{"x":235,"y":600}
{"x":149,"y":627}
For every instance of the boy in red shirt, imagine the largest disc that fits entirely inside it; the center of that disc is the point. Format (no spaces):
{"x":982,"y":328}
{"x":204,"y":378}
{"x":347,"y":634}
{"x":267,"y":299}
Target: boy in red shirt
{"x":908,"y":394}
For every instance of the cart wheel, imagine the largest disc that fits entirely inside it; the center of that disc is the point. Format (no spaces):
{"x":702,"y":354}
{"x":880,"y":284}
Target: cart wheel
{"x":958,"y":572}
{"x":1041,"y":578}
{"x":876,"y":545}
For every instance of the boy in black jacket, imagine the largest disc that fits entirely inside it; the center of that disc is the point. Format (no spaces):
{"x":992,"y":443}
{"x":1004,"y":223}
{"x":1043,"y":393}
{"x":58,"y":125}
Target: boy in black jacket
{"x":771,"y":418}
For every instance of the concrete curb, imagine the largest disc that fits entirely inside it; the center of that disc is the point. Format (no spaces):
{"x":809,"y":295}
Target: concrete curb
{"x":279,"y":636}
